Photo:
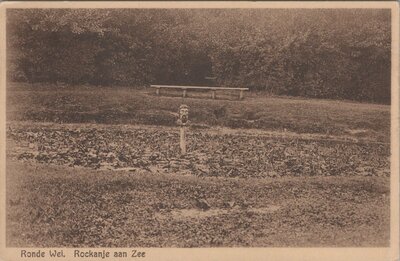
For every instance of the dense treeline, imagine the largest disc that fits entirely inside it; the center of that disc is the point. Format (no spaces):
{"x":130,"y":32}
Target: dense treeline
{"x":337,"y":53}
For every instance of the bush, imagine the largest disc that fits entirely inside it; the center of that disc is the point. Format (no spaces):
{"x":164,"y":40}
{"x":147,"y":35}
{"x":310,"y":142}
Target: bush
{"x":329,"y":53}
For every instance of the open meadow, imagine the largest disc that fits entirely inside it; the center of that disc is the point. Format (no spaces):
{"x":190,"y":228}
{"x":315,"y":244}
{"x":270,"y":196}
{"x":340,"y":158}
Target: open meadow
{"x":91,"y":166}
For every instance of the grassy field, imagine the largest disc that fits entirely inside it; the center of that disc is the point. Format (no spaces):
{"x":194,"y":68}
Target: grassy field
{"x":52,"y":206}
{"x":90,"y":166}
{"x":91,"y":104}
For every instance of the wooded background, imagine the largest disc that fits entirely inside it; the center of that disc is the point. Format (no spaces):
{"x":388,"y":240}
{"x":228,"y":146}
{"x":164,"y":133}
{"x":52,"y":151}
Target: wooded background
{"x":322,"y":53}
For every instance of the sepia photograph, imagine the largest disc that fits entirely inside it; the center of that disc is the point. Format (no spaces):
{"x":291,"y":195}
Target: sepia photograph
{"x":184,"y":127}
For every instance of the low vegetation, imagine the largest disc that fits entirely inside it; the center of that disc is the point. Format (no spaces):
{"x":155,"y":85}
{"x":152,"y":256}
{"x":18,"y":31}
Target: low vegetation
{"x":91,"y":104}
{"x":210,"y":154}
{"x":95,"y":166}
{"x":49,"y":206}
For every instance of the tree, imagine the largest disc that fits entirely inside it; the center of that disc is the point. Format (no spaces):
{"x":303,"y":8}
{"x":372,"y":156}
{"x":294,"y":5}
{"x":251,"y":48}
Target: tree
{"x":325,"y":53}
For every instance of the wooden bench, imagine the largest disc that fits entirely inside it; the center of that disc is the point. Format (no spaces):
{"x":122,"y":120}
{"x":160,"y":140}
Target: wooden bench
{"x":213,"y":89}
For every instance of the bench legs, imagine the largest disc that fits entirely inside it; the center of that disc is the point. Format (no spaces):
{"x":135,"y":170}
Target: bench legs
{"x":241,"y":95}
{"x":213,"y":93}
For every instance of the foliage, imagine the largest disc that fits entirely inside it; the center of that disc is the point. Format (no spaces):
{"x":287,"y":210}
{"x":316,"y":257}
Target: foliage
{"x":327,"y":53}
{"x":228,"y":155}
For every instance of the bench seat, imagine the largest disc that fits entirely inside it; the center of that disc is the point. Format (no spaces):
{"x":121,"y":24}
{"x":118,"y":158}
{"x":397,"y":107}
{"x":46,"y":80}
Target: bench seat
{"x":185,"y":88}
